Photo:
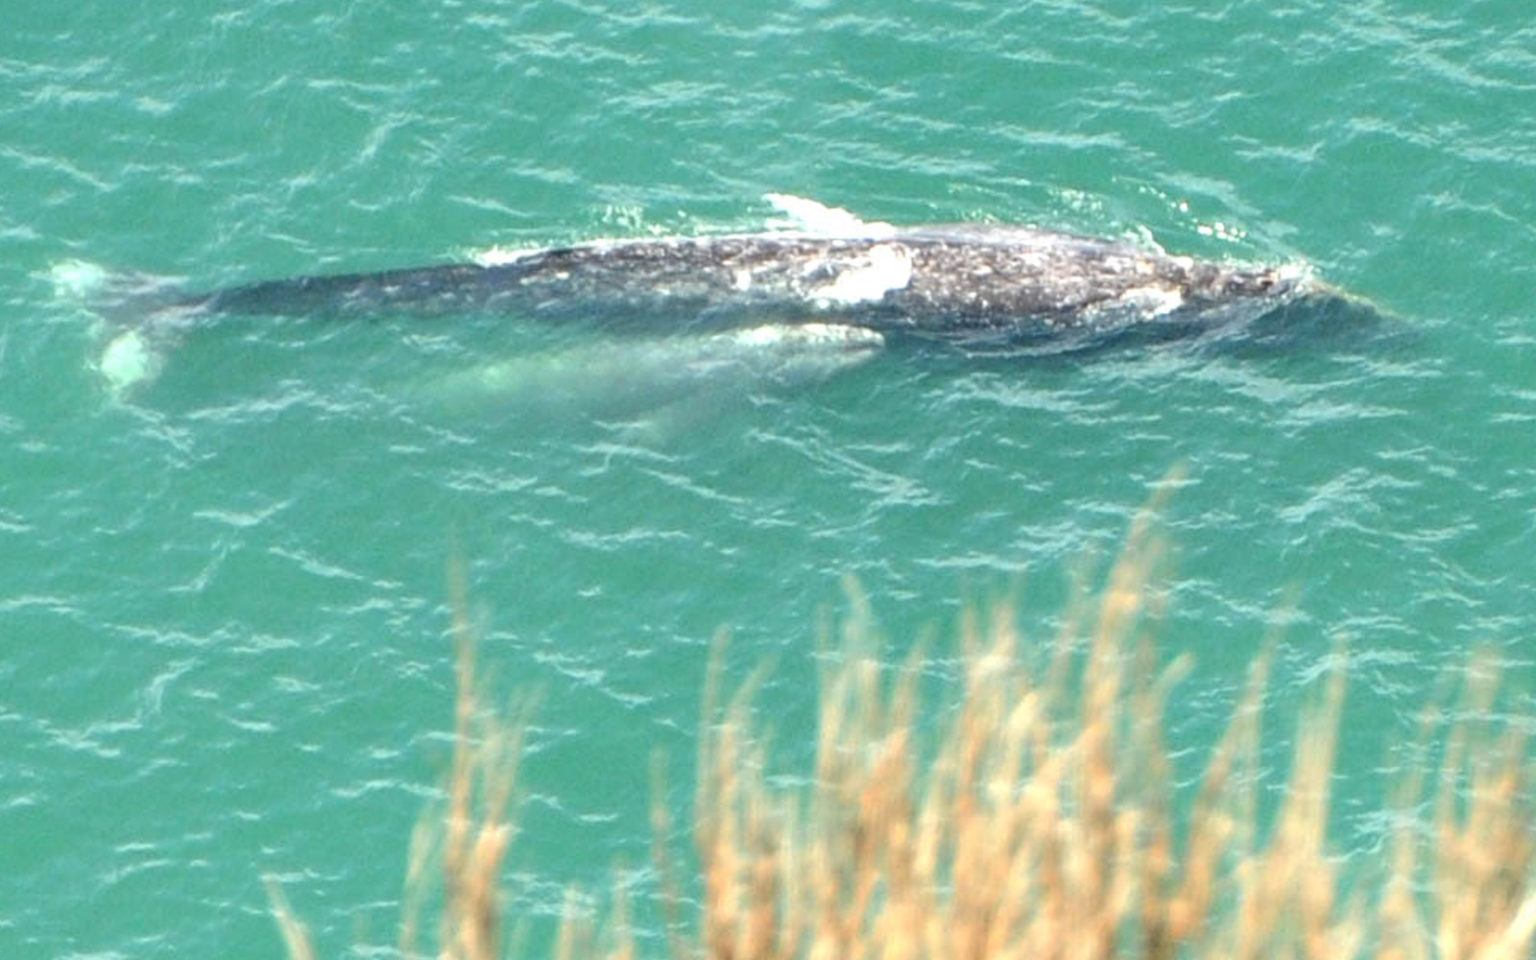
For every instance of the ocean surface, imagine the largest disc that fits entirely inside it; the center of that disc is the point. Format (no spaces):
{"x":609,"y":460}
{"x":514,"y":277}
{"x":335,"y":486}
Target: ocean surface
{"x":224,"y":648}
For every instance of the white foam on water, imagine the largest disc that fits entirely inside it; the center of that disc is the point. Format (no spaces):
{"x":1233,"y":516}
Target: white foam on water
{"x":128,"y":360}
{"x":1297,"y":272}
{"x":817,"y":218}
{"x":801,"y":215}
{"x":77,"y":279}
{"x":501,"y":256}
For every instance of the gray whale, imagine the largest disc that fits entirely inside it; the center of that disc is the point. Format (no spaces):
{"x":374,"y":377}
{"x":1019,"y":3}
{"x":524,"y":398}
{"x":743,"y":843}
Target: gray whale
{"x":822,"y":279}
{"x":964,"y":283}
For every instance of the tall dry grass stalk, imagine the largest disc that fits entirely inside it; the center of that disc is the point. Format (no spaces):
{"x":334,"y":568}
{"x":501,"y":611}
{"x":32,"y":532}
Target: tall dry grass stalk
{"x":1036,"y":821}
{"x":1039,"y":823}
{"x":469,"y":836}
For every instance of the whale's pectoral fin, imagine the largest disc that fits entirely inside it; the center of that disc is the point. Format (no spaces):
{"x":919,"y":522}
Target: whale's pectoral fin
{"x":789,"y":353}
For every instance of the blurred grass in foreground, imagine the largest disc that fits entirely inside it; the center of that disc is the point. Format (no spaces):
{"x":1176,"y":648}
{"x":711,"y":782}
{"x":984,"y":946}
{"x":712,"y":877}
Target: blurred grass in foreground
{"x":1036,"y":823}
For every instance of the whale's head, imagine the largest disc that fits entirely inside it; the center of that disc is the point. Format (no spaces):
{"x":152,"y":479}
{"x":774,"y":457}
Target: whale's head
{"x":1216,"y":283}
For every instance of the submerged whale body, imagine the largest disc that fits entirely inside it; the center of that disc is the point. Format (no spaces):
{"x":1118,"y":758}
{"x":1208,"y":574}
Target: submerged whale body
{"x":963,"y":283}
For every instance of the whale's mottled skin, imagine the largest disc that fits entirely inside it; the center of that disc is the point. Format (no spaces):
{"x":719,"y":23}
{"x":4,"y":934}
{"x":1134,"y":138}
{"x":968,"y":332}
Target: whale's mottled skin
{"x":959,"y":282}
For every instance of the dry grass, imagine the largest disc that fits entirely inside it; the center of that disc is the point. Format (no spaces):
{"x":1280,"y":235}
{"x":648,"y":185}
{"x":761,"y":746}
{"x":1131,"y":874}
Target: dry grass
{"x":467,"y":837}
{"x":1036,"y":822}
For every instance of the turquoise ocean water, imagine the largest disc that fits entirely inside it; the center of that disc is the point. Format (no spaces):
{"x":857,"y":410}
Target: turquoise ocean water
{"x":222,"y":594}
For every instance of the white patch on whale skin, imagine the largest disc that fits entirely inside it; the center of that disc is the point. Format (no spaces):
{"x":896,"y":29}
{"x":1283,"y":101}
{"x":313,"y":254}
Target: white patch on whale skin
{"x":1156,"y":300}
{"x":883,"y":268}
